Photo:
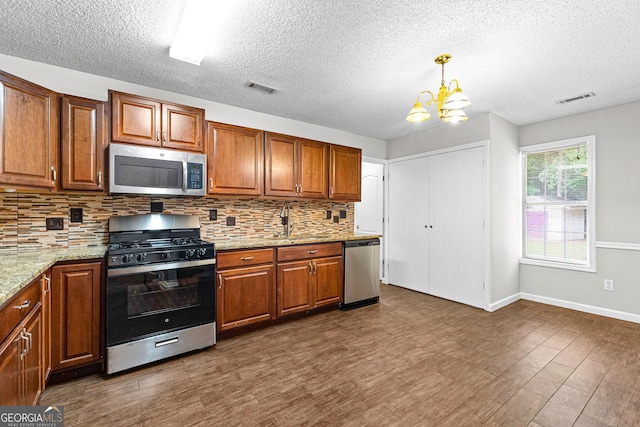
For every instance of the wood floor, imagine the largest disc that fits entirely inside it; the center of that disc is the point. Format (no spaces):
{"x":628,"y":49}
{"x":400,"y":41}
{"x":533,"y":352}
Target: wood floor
{"x":411,"y":360}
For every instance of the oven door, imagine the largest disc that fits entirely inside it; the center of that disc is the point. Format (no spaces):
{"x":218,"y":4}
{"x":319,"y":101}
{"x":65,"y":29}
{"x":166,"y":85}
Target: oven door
{"x":149,"y":300}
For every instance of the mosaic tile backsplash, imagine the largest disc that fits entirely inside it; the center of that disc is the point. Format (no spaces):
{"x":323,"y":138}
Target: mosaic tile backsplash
{"x":23,"y":217}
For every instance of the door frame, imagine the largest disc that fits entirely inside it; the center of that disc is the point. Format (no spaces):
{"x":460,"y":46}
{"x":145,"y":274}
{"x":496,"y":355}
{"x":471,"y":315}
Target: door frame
{"x":486,"y":211}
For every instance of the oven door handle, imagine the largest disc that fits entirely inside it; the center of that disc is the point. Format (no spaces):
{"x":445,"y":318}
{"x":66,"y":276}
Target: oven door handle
{"x":149,"y":268}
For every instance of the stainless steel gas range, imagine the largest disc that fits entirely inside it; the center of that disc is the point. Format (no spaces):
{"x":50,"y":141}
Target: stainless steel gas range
{"x":160,"y":297}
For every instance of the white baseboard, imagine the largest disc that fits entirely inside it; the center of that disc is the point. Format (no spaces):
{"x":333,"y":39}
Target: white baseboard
{"x":621,"y":315}
{"x":503,"y":302}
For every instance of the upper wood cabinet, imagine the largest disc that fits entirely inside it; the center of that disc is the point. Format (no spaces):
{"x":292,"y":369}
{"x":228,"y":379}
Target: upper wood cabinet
{"x":84,"y":139}
{"x":28,"y":134}
{"x":295,"y":167}
{"x":234,"y":160}
{"x":345,"y":176}
{"x":145,"y":121}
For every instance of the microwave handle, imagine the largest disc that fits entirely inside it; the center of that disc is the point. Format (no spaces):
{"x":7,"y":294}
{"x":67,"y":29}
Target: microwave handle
{"x":184,"y":175}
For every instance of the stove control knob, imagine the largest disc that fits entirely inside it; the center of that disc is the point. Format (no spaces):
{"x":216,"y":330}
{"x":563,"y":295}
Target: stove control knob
{"x":126,"y":257}
{"x":201,"y":252}
{"x":141,"y":257}
{"x":166,"y":255}
{"x":190,"y":253}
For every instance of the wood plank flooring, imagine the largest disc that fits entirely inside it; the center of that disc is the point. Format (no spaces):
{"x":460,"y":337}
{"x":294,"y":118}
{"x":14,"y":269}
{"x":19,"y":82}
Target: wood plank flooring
{"x":411,"y":360}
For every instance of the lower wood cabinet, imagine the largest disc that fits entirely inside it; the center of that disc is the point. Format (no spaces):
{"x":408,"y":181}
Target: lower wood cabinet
{"x":75,"y":315}
{"x":308,"y":276}
{"x":21,"y":380}
{"x":245,"y":288}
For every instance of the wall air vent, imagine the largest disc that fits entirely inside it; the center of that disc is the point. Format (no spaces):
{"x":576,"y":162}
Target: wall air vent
{"x":262,"y":88}
{"x":575,"y":98}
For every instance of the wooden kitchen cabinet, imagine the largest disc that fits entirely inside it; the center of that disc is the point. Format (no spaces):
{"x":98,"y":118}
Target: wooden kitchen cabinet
{"x":75,"y":315}
{"x":144,"y":121}
{"x":296,"y":167}
{"x":345,"y":176}
{"x":235,"y":160}
{"x":29,"y":137}
{"x":21,"y":349}
{"x":245,"y":288}
{"x":308,"y":276}
{"x":84,"y":140}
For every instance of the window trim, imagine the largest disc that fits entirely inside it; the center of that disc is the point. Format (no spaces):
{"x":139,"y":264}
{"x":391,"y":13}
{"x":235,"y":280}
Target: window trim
{"x":590,"y":141}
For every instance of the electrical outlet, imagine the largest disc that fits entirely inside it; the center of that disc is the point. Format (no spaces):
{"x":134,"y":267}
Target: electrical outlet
{"x":55,"y":223}
{"x":75,"y":214}
{"x":328,"y":214}
{"x":343,"y":214}
{"x":213,"y":214}
{"x":336,"y":219}
{"x":157,"y":206}
{"x":231,"y":220}
{"x":608,"y":285}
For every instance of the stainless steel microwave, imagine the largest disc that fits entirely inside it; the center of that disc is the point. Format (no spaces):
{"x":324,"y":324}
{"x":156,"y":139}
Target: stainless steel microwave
{"x":149,"y":170}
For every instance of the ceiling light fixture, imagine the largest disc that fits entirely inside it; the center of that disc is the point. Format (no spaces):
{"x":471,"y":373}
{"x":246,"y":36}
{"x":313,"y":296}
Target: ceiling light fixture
{"x":450,"y":102}
{"x":200,"y":20}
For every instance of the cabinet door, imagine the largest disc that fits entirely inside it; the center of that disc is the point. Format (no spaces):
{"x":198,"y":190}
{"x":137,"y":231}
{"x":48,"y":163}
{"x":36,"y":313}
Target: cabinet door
{"x":182,"y":127}
{"x":32,"y":360}
{"x":135,"y":120}
{"x":10,"y":370}
{"x":28,"y":134}
{"x":281,"y":165}
{"x":83,"y":144}
{"x":234,"y":160}
{"x":345,"y":173}
{"x":313,"y":173}
{"x":294,"y":288}
{"x":245,"y":296}
{"x":327,"y":275}
{"x":75,"y":315}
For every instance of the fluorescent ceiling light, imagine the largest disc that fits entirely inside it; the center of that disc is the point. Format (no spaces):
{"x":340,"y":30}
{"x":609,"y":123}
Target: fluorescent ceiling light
{"x":200,"y":21}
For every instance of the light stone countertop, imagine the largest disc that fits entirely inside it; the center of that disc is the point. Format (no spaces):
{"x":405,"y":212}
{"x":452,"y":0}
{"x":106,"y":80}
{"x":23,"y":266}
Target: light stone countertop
{"x":19,"y":268}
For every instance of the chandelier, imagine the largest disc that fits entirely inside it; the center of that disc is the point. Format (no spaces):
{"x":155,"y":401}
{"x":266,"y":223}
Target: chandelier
{"x":450,"y":102}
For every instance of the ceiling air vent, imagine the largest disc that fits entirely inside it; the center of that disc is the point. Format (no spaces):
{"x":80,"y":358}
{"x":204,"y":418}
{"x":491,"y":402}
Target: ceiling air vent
{"x":258,"y":86}
{"x":575,"y":98}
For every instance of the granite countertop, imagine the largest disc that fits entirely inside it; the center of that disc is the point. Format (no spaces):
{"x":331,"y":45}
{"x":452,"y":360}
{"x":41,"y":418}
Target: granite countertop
{"x":18,"y":269}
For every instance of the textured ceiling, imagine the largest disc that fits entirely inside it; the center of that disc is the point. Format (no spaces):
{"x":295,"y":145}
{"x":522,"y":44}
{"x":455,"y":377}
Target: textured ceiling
{"x":356,"y":66}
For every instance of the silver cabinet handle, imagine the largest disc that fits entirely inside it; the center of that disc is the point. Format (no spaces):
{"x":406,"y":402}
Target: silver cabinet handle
{"x":158,"y":135}
{"x":300,"y":189}
{"x":30,"y":337}
{"x":25,"y":350}
{"x":48,"y":281}
{"x":330,"y":191}
{"x":99,"y":178}
{"x":211,"y":184}
{"x":54,"y":174}
{"x":312,"y":252}
{"x":25,"y":304}
{"x":164,"y":136}
{"x":246,"y":258}
{"x":219,"y":281}
{"x":310,"y":267}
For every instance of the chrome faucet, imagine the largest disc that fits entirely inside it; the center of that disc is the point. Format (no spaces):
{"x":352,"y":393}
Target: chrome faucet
{"x":286,"y":220}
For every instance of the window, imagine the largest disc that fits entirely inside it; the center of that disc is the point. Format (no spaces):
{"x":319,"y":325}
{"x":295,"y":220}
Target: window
{"x":559,"y":201}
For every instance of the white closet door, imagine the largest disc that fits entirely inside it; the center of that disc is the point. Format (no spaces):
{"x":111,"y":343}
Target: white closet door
{"x":407,"y":236}
{"x":456,"y":233}
{"x":369,"y":212}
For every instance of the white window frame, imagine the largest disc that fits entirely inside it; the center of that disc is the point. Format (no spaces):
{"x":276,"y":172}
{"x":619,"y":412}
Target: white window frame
{"x":590,"y":141}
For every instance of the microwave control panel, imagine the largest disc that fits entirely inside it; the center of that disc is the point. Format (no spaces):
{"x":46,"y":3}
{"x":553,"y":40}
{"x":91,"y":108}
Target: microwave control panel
{"x":195,"y":173}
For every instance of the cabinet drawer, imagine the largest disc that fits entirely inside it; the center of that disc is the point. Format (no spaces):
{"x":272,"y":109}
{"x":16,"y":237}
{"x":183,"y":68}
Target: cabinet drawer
{"x":290,"y":253}
{"x":10,"y":316}
{"x":243,"y":258}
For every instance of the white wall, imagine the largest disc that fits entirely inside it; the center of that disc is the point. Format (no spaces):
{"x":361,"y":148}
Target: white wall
{"x":617,"y":132}
{"x":91,"y":86}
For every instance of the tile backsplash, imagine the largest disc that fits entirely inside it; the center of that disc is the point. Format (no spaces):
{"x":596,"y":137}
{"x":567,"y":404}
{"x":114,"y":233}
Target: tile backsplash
{"x":23,"y":215}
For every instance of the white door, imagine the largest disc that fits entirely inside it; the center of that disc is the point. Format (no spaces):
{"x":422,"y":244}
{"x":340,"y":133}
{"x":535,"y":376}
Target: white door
{"x":369,"y":212}
{"x":456,"y":226}
{"x":407,"y":263}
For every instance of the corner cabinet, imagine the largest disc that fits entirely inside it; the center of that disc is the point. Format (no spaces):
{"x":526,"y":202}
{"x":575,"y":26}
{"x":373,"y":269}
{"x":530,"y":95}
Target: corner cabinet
{"x":345,"y":176}
{"x":308,"y":276}
{"x":84,"y":140}
{"x":76,"y":315}
{"x":145,"y":121}
{"x":21,"y":348}
{"x":245,"y":288}
{"x":296,"y":167}
{"x":28,"y":134}
{"x":234,"y":160}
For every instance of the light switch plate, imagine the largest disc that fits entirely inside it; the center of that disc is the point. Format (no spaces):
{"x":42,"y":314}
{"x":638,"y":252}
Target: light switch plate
{"x":75,"y":215}
{"x":213,"y":214}
{"x":231,"y":220}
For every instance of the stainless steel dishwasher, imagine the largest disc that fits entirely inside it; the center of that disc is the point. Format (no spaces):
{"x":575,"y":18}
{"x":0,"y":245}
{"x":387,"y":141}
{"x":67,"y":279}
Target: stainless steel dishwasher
{"x":361,"y":273}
